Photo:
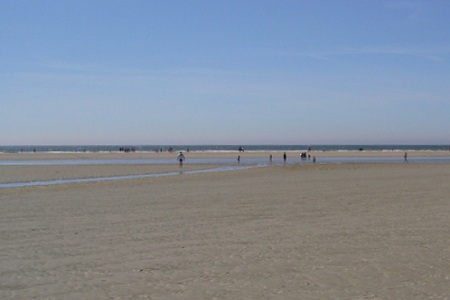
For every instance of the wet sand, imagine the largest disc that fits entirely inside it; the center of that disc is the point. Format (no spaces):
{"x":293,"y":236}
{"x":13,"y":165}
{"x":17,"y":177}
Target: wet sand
{"x":212,"y":154}
{"x":9,"y":174}
{"x":343,"y":231}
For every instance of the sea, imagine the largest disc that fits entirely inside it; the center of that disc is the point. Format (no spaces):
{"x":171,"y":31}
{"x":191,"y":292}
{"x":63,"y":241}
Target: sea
{"x":217,"y":148}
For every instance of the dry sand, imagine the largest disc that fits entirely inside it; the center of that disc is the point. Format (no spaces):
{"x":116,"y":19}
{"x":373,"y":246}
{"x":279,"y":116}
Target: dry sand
{"x":349,"y":231}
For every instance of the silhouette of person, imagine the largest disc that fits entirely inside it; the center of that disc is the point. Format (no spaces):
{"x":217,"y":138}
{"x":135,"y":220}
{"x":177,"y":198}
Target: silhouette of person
{"x":181,"y":158}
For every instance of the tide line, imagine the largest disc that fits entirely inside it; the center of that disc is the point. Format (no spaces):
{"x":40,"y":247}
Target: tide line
{"x":116,"y":178}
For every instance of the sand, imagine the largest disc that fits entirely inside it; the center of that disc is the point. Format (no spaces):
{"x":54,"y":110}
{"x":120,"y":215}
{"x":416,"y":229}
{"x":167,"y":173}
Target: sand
{"x":347,"y":231}
{"x":9,"y":174}
{"x":223,"y":154}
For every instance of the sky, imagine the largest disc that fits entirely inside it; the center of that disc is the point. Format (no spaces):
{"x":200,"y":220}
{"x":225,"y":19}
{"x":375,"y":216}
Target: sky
{"x":96,"y":72}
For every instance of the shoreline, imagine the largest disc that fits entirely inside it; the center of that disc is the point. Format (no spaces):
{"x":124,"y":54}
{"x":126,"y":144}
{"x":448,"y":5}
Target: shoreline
{"x":216,"y":154}
{"x":41,"y":167}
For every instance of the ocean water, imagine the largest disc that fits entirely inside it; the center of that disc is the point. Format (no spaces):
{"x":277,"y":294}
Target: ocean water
{"x":217,"y":148}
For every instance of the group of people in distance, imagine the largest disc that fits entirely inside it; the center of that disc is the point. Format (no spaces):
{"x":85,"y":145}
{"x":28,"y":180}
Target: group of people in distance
{"x":181,"y":158}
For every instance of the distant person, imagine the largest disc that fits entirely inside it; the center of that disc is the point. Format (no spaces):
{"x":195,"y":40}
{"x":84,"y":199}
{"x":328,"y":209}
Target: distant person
{"x":239,"y":159}
{"x":270,"y":158}
{"x":405,"y":156}
{"x":314,"y":159}
{"x":284,"y":157}
{"x":181,"y":158}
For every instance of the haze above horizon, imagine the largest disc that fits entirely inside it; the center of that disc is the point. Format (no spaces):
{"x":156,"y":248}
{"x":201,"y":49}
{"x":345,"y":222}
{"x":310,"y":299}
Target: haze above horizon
{"x":224,"y":72}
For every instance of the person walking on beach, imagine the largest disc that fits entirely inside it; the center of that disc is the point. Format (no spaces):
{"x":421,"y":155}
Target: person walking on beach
{"x":405,"y":156}
{"x":284,"y":157}
{"x":181,"y":158}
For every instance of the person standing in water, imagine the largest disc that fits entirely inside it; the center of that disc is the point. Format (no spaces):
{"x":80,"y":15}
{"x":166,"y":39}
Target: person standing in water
{"x":284,"y":157}
{"x":405,"y":156}
{"x":181,"y":158}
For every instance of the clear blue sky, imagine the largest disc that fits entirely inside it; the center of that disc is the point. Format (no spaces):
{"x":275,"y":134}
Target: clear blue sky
{"x":224,"y":72}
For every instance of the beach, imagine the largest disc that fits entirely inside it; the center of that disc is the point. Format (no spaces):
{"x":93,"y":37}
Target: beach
{"x":299,"y":231}
{"x":216,"y":154}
